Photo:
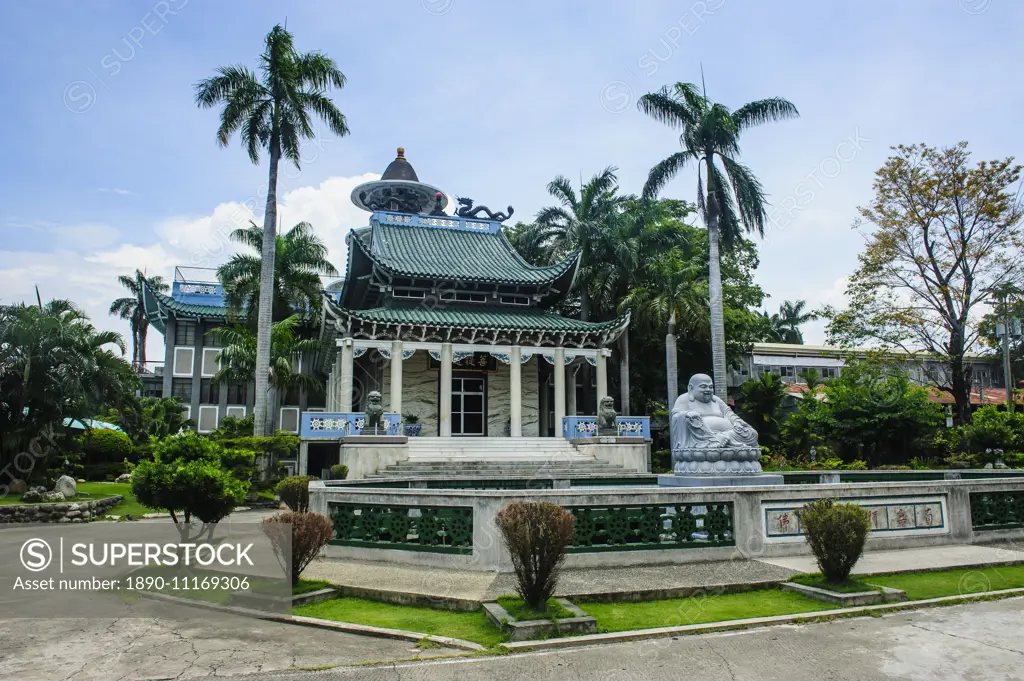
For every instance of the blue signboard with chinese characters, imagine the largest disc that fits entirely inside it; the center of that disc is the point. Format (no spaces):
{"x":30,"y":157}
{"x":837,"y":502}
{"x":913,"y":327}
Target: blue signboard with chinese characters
{"x":438,"y":222}
{"x":574,"y":427}
{"x":329,"y":426}
{"x":198,"y":293}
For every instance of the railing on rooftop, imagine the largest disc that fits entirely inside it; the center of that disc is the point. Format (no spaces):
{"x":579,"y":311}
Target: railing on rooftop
{"x":196,"y":275}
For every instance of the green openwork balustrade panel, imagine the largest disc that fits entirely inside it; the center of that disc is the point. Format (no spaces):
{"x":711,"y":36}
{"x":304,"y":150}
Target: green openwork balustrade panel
{"x":626,"y":528}
{"x":997,"y":510}
{"x":442,"y":529}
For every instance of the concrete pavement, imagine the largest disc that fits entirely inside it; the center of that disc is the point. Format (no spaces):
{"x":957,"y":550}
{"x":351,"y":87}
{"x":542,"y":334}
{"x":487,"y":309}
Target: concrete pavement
{"x":906,"y":560}
{"x":978,"y":641}
{"x":135,"y":649}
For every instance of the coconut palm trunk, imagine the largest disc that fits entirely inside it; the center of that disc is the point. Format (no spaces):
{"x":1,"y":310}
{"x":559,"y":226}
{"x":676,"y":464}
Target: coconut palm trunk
{"x":717,"y":316}
{"x":265,"y":319}
{"x":624,"y":373}
{"x":672,"y":361}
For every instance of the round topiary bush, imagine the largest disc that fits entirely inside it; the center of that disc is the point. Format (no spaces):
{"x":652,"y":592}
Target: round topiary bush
{"x":102,"y":445}
{"x":836,"y":533}
{"x":294,"y":491}
{"x":339,"y":471}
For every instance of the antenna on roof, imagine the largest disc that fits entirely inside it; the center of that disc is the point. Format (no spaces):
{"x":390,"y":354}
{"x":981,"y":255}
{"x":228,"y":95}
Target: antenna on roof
{"x":703,"y":87}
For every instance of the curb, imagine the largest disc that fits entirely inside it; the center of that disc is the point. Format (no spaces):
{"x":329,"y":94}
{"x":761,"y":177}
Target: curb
{"x":347,"y":627}
{"x":729,"y":625}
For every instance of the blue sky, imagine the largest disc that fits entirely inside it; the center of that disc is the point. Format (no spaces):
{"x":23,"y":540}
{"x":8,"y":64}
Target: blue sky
{"x":109,"y":164}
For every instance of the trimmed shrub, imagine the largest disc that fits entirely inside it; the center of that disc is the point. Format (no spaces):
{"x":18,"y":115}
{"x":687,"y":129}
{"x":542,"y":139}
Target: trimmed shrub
{"x":309,"y":534}
{"x":836,"y":533}
{"x":102,"y":472}
{"x":294,"y":491}
{"x":536,"y":535}
{"x":102,"y":445}
{"x":187,"y":475}
{"x":339,"y":471}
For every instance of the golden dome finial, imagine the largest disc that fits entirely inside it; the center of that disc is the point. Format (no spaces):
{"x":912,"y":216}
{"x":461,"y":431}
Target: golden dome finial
{"x":401,"y":152}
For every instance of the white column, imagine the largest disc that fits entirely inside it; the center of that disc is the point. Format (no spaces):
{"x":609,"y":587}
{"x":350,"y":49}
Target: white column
{"x":559,"y":374}
{"x":542,"y":404}
{"x":331,"y":378}
{"x":570,"y":387}
{"x":444,"y":410}
{"x":602,"y":376}
{"x":396,"y":376}
{"x":345,"y":382}
{"x":516,"y":387}
{"x":303,"y":457}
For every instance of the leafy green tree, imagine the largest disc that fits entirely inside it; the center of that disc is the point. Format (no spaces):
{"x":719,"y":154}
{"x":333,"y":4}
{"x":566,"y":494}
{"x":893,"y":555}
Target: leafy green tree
{"x":133,"y":309}
{"x":300,"y":258}
{"x":194,"y":476}
{"x":54,"y":365}
{"x":271,"y":112}
{"x":103,"y":444}
{"x":943,"y":238}
{"x":873,"y":412}
{"x":729,"y":197}
{"x":994,"y":428}
{"x":760,"y":402}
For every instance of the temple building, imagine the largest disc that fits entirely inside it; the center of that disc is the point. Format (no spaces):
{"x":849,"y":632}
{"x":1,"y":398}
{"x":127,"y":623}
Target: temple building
{"x":437,"y":312}
{"x":450,"y":323}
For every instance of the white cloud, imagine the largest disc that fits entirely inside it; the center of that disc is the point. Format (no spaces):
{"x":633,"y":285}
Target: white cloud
{"x":82,"y":262}
{"x":116,"y":190}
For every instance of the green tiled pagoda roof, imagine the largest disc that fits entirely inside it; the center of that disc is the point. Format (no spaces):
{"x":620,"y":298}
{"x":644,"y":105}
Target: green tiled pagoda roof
{"x":454,"y":254}
{"x":483,"y":317}
{"x":158,"y":305}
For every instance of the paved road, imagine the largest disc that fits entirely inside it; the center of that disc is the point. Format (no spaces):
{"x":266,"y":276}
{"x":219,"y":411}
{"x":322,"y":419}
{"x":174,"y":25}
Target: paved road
{"x":133,"y":649}
{"x":980,"y":641}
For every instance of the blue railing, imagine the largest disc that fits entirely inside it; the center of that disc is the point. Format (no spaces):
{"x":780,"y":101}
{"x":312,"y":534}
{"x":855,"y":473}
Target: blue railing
{"x":318,"y":424}
{"x":574,"y":427}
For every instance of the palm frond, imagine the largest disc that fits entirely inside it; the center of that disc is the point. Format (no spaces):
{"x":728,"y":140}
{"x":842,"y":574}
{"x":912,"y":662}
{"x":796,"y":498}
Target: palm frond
{"x":764,"y":111}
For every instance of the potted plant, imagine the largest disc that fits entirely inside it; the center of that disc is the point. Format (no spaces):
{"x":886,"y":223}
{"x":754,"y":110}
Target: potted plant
{"x":412,"y":425}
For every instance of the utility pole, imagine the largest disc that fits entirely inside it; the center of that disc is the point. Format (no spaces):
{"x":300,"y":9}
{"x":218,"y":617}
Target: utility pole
{"x":1005,"y":330}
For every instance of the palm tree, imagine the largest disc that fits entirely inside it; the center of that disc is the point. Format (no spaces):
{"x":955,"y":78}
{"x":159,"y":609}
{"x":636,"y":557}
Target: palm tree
{"x":673,"y":295}
{"x":790,"y":318}
{"x":300,"y":257}
{"x":272,"y":112}
{"x":238,"y":356}
{"x":578,"y":224}
{"x":729,"y":197}
{"x":133,"y":309}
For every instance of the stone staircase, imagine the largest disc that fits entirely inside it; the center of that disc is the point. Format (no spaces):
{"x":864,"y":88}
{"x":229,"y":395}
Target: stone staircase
{"x":484,"y":457}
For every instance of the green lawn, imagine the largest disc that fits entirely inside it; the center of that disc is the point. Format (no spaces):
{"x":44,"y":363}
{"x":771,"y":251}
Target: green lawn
{"x":921,"y":585}
{"x":675,"y":612}
{"x":469,"y":626}
{"x":850,"y":586}
{"x":100,"y":490}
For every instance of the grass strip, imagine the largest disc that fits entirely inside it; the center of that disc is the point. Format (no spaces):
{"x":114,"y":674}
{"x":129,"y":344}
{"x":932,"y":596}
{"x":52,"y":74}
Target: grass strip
{"x":922,"y":585}
{"x":468,"y":626}
{"x":674,"y":612}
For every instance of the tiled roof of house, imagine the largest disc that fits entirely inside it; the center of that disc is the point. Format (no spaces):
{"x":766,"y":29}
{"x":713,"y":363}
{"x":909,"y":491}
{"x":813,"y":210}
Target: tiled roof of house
{"x":454,"y":255}
{"x":482,"y":317}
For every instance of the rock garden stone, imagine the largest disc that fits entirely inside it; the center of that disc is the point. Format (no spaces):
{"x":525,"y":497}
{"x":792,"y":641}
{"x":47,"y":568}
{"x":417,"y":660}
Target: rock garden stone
{"x":124,"y":477}
{"x":18,"y":487}
{"x":31,"y":497}
{"x":65,"y":485}
{"x":37,"y":488}
{"x":53,"y":496}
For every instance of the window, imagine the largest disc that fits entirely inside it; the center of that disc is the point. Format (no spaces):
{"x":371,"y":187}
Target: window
{"x":184,"y":360}
{"x":409,"y":293}
{"x":235,"y":412}
{"x":463,"y":297}
{"x":786,"y":372}
{"x":237,"y":392}
{"x":209,"y":392}
{"x":515,"y":300}
{"x":212,"y":338}
{"x":289,"y":419}
{"x":182,"y":389}
{"x":210,"y":362}
{"x":207,"y":418}
{"x":829,"y":372}
{"x":184,"y":333}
